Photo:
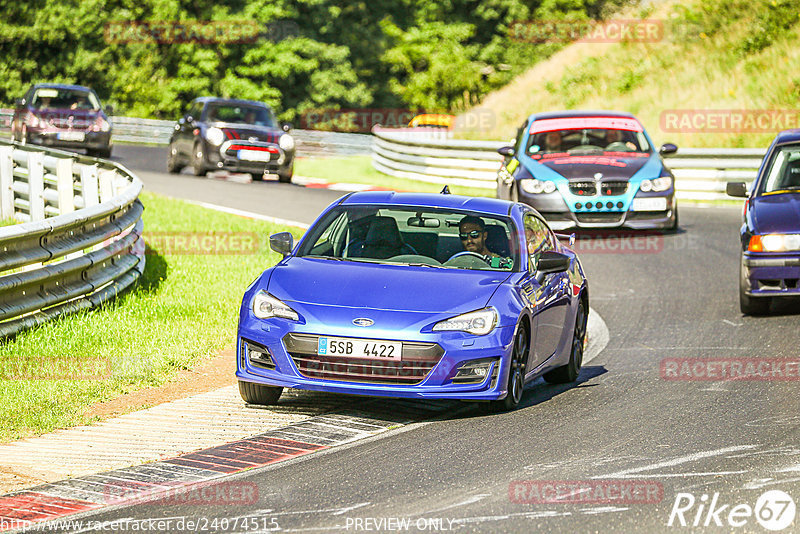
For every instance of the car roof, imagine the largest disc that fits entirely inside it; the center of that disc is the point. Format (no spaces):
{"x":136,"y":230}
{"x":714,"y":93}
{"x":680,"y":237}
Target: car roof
{"x":787,"y":136}
{"x":62,"y":86}
{"x":217,"y":99}
{"x":489,"y":206}
{"x":579,"y":113}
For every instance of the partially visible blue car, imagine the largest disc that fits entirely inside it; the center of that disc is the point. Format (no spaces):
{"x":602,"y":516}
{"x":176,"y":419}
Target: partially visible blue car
{"x":770,"y":234}
{"x":590,"y":169}
{"x":380,"y":297}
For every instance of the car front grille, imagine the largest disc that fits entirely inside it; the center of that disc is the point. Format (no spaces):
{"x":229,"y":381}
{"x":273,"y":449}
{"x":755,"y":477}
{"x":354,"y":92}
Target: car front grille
{"x":599,"y":217}
{"x":615,"y":187}
{"x":584,"y":189}
{"x":418,"y":360}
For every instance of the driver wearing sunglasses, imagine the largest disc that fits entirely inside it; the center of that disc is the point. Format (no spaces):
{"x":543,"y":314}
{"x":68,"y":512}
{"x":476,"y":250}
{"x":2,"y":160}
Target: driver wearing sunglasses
{"x":472,"y":231}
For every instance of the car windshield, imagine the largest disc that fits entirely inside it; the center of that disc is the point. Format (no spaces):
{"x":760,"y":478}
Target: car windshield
{"x":414,"y":236}
{"x":57,"y":98}
{"x":240,"y":114}
{"x":784,"y":171}
{"x":586,"y":140}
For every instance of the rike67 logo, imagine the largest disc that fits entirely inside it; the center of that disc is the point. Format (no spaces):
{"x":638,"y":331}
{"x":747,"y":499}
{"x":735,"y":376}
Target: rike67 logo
{"x":774,"y":510}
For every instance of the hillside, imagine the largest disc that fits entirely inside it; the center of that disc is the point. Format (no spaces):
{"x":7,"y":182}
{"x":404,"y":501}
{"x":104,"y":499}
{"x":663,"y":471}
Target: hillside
{"x":714,"y":55}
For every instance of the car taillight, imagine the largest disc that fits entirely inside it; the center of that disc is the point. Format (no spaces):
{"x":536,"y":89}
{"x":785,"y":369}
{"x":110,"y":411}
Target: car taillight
{"x":755,"y":244}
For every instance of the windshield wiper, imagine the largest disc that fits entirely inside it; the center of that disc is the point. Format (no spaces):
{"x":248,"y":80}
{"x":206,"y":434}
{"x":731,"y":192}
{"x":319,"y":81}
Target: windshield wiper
{"x":425,"y":265}
{"x":334,"y":258}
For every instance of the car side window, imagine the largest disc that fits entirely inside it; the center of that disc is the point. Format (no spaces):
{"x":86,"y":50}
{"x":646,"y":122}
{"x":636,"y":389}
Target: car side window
{"x":537,"y":238}
{"x":520,"y":134}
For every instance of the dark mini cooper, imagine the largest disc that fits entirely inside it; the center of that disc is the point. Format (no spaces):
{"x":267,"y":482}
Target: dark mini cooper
{"x":770,"y":235}
{"x":233,"y":135}
{"x":589,"y":169}
{"x":63,"y":116}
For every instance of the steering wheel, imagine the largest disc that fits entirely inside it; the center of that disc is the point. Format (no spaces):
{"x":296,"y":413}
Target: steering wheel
{"x":618,"y":146}
{"x":467,"y":253}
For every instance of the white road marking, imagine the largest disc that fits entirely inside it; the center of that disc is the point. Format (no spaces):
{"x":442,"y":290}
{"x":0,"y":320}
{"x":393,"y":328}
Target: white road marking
{"x":469,"y":500}
{"x":764,"y":482}
{"x":731,"y":323}
{"x":248,"y":214}
{"x":681,"y":475}
{"x":597,"y":332}
{"x":603,"y":510}
{"x":677,"y":461}
{"x":716,"y":386}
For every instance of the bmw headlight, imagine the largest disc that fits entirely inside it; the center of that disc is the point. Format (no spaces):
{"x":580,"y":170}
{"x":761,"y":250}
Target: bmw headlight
{"x":656,"y":185}
{"x":774,"y":243}
{"x":266,"y":306}
{"x":215,"y":136}
{"x":479,"y":322}
{"x":535,"y":187}
{"x":286,"y":142}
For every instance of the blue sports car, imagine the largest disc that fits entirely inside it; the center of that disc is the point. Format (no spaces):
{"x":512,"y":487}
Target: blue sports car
{"x":590,"y":169}
{"x":415,"y":295}
{"x":770,"y":262}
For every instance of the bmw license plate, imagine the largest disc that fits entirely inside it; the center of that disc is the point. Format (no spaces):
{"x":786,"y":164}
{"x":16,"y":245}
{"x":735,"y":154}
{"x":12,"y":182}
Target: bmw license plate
{"x":370,"y":349}
{"x":71,"y":136}
{"x":255,"y":155}
{"x":650,"y":204}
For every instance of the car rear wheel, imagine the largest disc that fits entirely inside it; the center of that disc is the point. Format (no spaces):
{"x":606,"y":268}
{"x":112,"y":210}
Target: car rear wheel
{"x":751,"y":305}
{"x":173,"y":167}
{"x":259,"y":394}
{"x":516,"y":373}
{"x":198,"y":167}
{"x":569,"y":373}
{"x":257,"y":176}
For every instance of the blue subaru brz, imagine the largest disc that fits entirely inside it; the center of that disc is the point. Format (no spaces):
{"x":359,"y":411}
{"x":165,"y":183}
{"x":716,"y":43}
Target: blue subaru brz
{"x":418,"y":296}
{"x":770,"y":235}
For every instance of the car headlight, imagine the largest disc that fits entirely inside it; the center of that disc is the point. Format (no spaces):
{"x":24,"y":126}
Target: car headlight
{"x":215,"y":136}
{"x":286,"y":142}
{"x":656,"y":185}
{"x":535,"y":187}
{"x":479,"y":322}
{"x":774,"y":243}
{"x":266,"y":306}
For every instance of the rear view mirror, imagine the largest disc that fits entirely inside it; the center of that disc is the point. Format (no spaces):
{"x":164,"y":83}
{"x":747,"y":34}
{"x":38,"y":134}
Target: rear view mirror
{"x":736,"y":189}
{"x":424,"y":222}
{"x":552,"y":262}
{"x":281,"y":243}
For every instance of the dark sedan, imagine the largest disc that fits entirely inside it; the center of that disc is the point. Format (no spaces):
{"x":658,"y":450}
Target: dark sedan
{"x":233,"y":135}
{"x":64,"y":116}
{"x":770,"y":235}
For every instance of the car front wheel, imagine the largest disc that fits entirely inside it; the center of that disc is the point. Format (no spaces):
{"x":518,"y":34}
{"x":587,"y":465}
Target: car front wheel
{"x":259,"y":394}
{"x":198,"y":167}
{"x":173,"y":167}
{"x":516,"y":373}
{"x":751,"y":305}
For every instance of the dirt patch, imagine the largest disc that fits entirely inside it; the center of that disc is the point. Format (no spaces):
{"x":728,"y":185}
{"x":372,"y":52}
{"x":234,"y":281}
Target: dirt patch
{"x":211,"y":374}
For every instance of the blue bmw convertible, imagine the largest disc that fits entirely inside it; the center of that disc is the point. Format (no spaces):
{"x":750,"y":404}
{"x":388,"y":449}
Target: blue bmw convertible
{"x":418,"y":296}
{"x":770,"y":235}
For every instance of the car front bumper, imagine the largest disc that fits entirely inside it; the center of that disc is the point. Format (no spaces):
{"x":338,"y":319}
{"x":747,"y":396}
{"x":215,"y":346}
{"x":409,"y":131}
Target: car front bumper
{"x":54,"y":138}
{"x":221,"y":158}
{"x":771,"y":274}
{"x":288,"y":368}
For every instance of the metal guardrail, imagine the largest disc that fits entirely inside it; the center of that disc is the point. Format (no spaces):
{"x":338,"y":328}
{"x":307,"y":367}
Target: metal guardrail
{"x":700,"y":173}
{"x":158,"y":132}
{"x":79,"y":242}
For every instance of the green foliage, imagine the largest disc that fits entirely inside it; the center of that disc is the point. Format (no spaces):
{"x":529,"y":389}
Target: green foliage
{"x":440,"y":55}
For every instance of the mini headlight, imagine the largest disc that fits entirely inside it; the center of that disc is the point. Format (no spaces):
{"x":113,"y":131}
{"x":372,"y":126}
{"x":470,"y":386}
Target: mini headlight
{"x":286,"y":142}
{"x":103,"y":124}
{"x":266,"y":306}
{"x":479,"y":322}
{"x":646,"y":186}
{"x":215,"y":136}
{"x":535,"y":187}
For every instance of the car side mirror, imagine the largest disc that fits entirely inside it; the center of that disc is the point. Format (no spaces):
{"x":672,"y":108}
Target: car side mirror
{"x":286,"y":126}
{"x":189,"y":119}
{"x":19,"y":102}
{"x":668,"y":148}
{"x":281,"y":243}
{"x":507,"y":151}
{"x":552,"y":262}
{"x":109,"y":110}
{"x":736,"y":189}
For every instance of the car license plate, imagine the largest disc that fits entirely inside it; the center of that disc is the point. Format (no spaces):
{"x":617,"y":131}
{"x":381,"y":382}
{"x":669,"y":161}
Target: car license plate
{"x":71,"y":136}
{"x":650,"y":204}
{"x":371,"y":349}
{"x":255,"y":155}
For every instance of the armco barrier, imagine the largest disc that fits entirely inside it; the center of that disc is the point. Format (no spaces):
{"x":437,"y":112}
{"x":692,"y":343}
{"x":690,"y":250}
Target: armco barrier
{"x":79,"y":242}
{"x":700,"y":173}
{"x":158,"y":132}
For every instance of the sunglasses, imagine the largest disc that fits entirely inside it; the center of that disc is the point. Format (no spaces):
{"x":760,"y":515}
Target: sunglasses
{"x":473,"y":234}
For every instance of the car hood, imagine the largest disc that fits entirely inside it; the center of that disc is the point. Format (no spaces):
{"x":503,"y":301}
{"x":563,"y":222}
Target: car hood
{"x":777,"y":214}
{"x":383,"y":287}
{"x":616,"y":165}
{"x":244,"y":132}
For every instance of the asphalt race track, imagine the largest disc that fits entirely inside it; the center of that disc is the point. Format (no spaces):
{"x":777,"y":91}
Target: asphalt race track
{"x":718,"y":443}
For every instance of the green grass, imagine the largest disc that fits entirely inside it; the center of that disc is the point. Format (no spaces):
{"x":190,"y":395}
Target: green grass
{"x":183,"y":310}
{"x":8,"y":222}
{"x":359,"y":170}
